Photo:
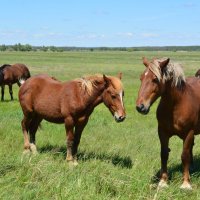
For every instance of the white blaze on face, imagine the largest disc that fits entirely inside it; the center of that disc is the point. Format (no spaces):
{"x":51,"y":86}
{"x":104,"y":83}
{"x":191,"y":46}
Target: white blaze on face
{"x":121,"y":95}
{"x":146,"y":72}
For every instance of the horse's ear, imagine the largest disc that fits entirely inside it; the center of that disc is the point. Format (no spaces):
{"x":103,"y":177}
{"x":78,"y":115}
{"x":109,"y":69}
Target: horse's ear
{"x":107,"y":80}
{"x":119,"y":75}
{"x":164,"y":63}
{"x":145,"y":61}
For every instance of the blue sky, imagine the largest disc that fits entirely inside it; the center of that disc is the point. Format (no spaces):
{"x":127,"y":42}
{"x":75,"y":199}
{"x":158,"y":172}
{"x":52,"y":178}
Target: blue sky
{"x":95,"y":23}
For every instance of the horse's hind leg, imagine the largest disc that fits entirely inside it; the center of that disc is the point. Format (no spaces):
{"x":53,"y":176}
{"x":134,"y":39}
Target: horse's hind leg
{"x":2,"y":92}
{"x":35,"y":122}
{"x":10,"y":91}
{"x":25,"y":126}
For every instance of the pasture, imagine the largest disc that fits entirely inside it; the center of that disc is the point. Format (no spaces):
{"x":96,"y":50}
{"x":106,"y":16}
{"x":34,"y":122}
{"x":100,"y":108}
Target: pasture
{"x":116,"y":160}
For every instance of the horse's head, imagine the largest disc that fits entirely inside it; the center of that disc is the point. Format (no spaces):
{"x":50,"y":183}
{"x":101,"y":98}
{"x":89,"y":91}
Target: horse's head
{"x":151,"y":84}
{"x":113,"y":97}
{"x":197,"y":74}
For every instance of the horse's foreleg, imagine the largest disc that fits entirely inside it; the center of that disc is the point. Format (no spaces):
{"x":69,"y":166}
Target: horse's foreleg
{"x":2,"y":92}
{"x":186,"y":159}
{"x":10,"y":91}
{"x":78,"y":132}
{"x":164,"y":154}
{"x":191,"y":153}
{"x":69,"y":126}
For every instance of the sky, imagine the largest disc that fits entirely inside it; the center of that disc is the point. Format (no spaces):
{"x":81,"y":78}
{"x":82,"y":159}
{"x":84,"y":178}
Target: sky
{"x":100,"y":23}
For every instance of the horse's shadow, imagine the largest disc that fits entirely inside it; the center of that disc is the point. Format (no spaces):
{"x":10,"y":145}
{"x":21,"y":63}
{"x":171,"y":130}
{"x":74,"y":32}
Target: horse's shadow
{"x":8,"y":100}
{"x":194,"y":170}
{"x":116,"y":160}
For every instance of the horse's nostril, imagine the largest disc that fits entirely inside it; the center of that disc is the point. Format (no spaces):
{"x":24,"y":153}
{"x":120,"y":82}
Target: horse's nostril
{"x":120,"y":118}
{"x":140,"y":107}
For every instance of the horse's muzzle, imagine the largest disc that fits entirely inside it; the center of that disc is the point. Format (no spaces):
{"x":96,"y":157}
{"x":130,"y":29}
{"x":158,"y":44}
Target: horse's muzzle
{"x":120,"y":119}
{"x":142,"y":109}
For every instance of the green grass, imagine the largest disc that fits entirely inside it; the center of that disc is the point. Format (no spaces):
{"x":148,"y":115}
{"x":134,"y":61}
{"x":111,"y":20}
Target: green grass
{"x":116,"y":161}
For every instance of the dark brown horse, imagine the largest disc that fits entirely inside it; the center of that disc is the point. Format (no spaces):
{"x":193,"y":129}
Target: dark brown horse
{"x":10,"y":74}
{"x":178,"y":112}
{"x":42,"y":97}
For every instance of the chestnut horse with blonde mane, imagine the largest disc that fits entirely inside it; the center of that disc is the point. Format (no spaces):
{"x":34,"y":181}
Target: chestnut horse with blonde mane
{"x":11,"y":74}
{"x":42,"y":97}
{"x":178,"y":112}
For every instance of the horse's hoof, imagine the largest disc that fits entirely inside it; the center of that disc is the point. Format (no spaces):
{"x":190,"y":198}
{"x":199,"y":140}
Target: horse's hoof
{"x":75,"y":163}
{"x":186,"y":186}
{"x":33,"y":149}
{"x":26,"y":152}
{"x":72,"y":163}
{"x":162,"y":184}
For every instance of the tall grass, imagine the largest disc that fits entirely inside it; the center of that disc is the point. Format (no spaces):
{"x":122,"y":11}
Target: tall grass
{"x":116,"y":161}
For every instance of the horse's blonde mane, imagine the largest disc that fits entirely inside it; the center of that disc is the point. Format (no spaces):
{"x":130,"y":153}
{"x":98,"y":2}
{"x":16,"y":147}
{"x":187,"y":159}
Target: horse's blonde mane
{"x":173,"y":72}
{"x":88,"y":83}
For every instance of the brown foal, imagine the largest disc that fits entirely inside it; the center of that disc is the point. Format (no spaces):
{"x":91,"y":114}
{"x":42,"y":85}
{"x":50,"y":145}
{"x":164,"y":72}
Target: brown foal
{"x":42,"y":97}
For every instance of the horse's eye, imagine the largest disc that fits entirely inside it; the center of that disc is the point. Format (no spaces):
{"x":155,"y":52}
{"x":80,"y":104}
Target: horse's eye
{"x":155,"y":80}
{"x":113,"y":96}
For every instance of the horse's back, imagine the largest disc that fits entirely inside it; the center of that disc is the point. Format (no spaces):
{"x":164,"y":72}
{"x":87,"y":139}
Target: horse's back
{"x":12,"y":73}
{"x":21,"y":70}
{"x":39,"y":84}
{"x":41,"y":94}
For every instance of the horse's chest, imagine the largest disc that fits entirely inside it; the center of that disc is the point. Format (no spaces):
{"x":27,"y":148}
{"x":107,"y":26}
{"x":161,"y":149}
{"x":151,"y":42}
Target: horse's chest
{"x":176,"y":122}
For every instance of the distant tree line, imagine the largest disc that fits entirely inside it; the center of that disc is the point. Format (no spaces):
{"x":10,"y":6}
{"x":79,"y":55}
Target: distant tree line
{"x":28,"y":47}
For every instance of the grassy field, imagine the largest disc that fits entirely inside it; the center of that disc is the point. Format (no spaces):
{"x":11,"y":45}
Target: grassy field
{"x":116,"y":161}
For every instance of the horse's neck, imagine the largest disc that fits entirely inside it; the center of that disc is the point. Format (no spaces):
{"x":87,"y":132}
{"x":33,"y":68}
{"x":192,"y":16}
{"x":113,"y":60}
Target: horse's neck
{"x":95,"y":98}
{"x":172,"y":95}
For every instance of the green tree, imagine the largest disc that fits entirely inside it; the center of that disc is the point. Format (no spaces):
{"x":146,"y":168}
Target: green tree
{"x":3,"y":47}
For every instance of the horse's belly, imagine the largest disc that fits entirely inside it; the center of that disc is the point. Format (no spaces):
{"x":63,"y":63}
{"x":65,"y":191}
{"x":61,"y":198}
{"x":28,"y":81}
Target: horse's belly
{"x":50,"y":114}
{"x":55,"y":120}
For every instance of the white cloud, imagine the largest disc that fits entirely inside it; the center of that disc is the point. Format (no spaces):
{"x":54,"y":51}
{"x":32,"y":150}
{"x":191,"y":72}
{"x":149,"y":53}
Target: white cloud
{"x":90,"y":36}
{"x":47,"y":35}
{"x":126,"y":34}
{"x":149,"y":35}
